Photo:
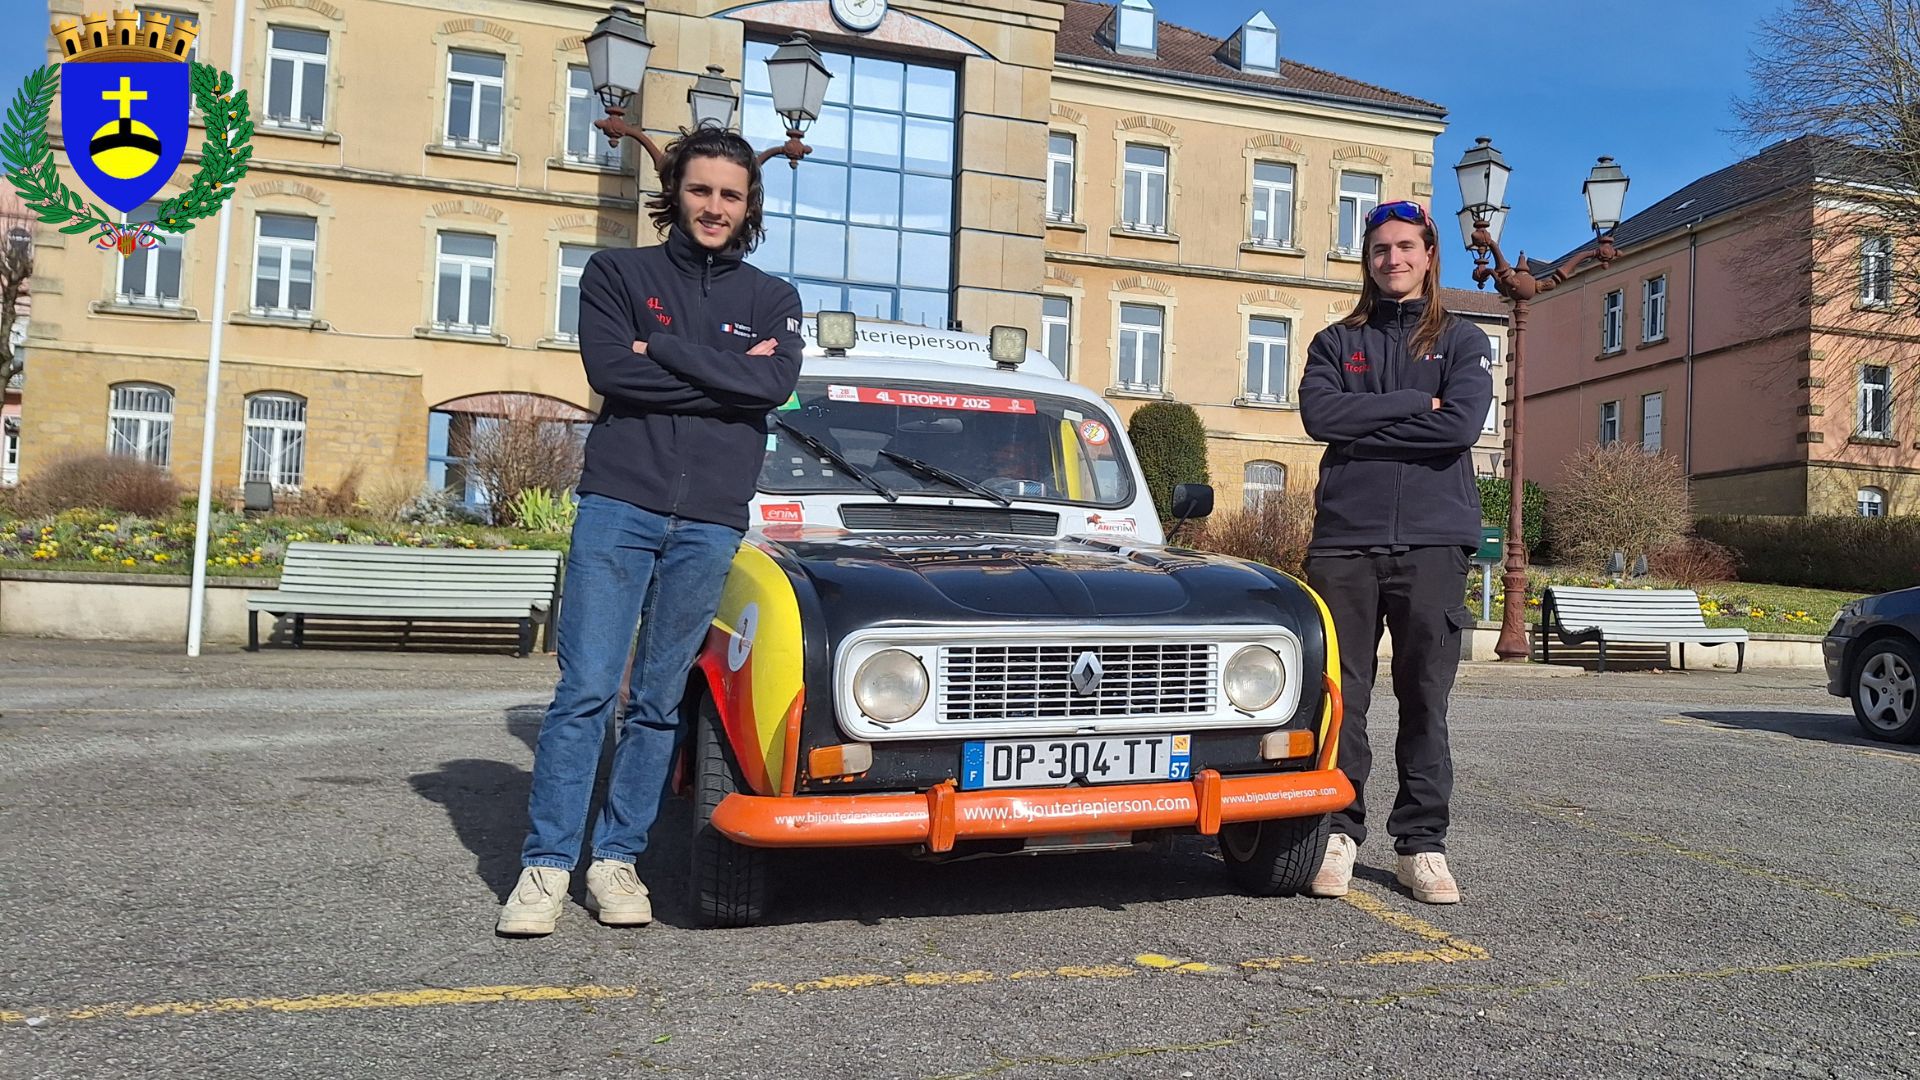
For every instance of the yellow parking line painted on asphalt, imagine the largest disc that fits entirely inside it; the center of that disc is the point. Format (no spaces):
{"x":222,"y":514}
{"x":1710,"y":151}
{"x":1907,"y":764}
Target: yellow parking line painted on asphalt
{"x":1448,"y":950}
{"x":1169,"y":963}
{"x":941,"y":978}
{"x":1857,"y":963}
{"x":390,"y":999}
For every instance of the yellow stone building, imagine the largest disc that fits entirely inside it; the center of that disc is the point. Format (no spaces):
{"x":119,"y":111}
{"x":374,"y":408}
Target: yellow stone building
{"x":425,"y":186}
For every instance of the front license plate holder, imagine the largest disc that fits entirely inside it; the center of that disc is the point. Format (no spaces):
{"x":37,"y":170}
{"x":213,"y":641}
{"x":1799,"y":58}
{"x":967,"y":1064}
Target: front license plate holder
{"x":987,"y":764}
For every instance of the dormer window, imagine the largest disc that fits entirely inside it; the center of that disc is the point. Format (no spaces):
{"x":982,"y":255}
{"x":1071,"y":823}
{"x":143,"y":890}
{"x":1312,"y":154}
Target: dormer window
{"x":1255,"y":47}
{"x":1131,"y":28}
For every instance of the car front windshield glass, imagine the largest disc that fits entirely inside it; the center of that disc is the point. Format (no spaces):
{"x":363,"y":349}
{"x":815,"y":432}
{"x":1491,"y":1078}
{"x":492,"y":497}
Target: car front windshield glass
{"x":1033,"y":447}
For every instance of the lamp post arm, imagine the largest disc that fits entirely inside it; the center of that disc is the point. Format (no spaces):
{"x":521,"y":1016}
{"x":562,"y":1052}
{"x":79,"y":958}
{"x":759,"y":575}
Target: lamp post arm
{"x":1602,"y":252}
{"x":793,"y":149}
{"x":616,"y":127}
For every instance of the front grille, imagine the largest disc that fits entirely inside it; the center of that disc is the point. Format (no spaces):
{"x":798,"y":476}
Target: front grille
{"x":985,"y":683}
{"x":939,"y":519}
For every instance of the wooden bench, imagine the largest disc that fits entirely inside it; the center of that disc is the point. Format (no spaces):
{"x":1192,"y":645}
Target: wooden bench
{"x":365,"y":581}
{"x":1662,"y":616}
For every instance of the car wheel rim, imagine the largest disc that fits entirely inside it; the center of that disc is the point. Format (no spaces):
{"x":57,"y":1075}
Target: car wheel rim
{"x":1888,"y":691}
{"x":1241,"y":842}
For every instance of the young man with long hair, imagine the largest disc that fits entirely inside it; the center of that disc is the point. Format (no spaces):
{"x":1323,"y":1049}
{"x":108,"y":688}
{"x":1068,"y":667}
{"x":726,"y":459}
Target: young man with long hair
{"x":689,"y":347}
{"x":1398,"y":391}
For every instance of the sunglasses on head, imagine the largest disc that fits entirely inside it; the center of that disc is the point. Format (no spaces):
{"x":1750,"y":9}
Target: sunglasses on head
{"x":1404,"y":210}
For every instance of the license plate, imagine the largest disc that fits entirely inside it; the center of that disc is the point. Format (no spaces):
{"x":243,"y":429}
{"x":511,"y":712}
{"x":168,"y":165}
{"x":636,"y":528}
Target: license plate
{"x":1109,"y":759}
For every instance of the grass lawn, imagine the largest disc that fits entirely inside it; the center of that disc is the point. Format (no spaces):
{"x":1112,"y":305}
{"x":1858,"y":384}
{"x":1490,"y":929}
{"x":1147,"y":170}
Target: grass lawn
{"x":1760,"y":609}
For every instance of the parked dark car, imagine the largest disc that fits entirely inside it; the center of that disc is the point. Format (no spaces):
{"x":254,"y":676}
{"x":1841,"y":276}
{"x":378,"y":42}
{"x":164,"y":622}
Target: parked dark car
{"x":1872,"y":653}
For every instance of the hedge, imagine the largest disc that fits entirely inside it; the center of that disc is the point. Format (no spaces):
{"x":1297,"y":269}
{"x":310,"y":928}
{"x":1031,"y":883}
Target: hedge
{"x":1172,"y":444}
{"x":1828,"y":551}
{"x":1495,"y":492}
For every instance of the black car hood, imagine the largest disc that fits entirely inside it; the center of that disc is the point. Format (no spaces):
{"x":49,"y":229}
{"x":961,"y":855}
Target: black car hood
{"x":878,"y":578}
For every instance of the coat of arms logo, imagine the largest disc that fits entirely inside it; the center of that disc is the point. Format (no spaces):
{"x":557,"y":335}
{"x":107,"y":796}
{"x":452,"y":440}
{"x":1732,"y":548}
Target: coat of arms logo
{"x":126,"y":87}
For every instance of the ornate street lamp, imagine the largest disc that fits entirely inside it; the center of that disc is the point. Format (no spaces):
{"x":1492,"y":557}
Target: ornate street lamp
{"x":1482,"y":174}
{"x":712,"y":99}
{"x":799,"y":80}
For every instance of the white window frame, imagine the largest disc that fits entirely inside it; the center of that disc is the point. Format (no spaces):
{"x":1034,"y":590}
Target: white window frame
{"x":1653,"y":421}
{"x":1653,"y":308}
{"x":1049,"y":324}
{"x":466,"y":265}
{"x":1491,"y":425}
{"x":568,"y":277}
{"x":1061,"y":189}
{"x":1254,"y":490}
{"x":282,"y":440}
{"x":1137,"y":222}
{"x":149,"y":294}
{"x":1271,"y":196}
{"x":1362,"y":203}
{"x":1265,"y":344}
{"x":1870,"y":502}
{"x":597,"y":152}
{"x":1876,"y":271}
{"x":1874,"y":413}
{"x":300,"y":59}
{"x":10,"y":450}
{"x":1609,"y":423}
{"x":1613,"y":322}
{"x":286,"y":246}
{"x":152,"y":438}
{"x":1141,"y":333}
{"x":474,"y":107}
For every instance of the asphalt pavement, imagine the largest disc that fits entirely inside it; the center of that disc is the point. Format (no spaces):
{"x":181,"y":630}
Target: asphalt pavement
{"x":287,"y":864}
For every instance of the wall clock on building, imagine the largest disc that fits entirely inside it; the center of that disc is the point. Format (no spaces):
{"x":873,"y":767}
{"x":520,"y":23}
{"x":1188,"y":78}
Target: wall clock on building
{"x":860,"y":15}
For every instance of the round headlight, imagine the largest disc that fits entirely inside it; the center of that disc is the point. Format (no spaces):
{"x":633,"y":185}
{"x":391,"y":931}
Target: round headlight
{"x":890,"y":686}
{"x":1254,"y":678}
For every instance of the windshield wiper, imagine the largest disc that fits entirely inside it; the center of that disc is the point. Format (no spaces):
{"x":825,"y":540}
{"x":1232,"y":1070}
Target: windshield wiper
{"x":955,"y":479}
{"x":833,"y":457}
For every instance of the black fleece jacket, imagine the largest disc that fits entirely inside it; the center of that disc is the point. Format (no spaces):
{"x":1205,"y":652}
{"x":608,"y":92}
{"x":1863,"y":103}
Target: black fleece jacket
{"x":1396,"y":470}
{"x":683,"y":428}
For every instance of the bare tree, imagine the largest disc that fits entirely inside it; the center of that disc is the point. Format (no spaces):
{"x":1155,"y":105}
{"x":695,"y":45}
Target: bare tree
{"x":1618,"y":497}
{"x":531,"y":443}
{"x":16,"y":277}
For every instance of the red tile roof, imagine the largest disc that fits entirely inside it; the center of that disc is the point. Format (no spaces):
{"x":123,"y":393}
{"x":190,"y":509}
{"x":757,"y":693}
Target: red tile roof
{"x":1190,"y":53}
{"x":1482,"y":302}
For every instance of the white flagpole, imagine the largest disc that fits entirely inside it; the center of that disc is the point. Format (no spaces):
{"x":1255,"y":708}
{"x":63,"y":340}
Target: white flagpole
{"x":197,"y":599}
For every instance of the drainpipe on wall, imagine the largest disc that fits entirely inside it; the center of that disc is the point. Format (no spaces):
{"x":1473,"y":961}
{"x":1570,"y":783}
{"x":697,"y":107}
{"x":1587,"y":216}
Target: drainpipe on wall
{"x":1686,"y":453}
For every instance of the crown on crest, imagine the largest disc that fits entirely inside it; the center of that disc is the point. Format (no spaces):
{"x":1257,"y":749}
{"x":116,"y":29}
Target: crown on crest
{"x":126,"y":35}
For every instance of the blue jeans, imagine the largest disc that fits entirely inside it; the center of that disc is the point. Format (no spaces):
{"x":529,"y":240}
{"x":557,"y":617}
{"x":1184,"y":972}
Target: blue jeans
{"x":627,"y":567}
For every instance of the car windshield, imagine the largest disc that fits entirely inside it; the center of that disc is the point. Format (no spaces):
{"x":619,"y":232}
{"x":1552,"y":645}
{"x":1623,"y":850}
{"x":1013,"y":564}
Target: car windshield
{"x":906,"y":435}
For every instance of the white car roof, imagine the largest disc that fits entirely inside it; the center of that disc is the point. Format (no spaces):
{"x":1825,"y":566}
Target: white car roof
{"x":892,"y":343}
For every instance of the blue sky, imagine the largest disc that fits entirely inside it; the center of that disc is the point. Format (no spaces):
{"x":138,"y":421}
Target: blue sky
{"x":1554,"y":85}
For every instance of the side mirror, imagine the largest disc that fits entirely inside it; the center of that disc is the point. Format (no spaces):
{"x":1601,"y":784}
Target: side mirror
{"x":1193,"y":501}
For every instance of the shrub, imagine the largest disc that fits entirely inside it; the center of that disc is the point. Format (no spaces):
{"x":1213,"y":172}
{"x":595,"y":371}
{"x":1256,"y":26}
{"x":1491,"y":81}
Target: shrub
{"x":1827,"y":551}
{"x":1693,"y":563}
{"x":1275,"y":531}
{"x":1494,"y":494}
{"x":532,"y":445}
{"x":99,"y":482}
{"x":1172,"y":445}
{"x":542,"y":511}
{"x":388,"y":497}
{"x":1617,"y":497}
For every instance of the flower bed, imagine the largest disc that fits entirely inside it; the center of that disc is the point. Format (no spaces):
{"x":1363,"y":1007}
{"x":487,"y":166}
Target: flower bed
{"x":1774,"y":609}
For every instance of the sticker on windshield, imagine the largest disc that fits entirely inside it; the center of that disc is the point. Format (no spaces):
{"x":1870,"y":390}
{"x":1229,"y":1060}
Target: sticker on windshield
{"x":930,"y":399}
{"x":1094,"y":432}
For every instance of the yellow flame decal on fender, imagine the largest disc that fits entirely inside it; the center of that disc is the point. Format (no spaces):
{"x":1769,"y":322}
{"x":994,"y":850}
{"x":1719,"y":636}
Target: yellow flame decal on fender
{"x":754,"y":660}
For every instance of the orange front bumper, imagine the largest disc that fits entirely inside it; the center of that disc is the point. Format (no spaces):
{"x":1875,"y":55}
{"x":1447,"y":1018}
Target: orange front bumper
{"x":943,"y":815}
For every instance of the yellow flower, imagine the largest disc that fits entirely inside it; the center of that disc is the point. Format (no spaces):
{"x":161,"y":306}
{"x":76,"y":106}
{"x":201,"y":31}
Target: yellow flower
{"x":159,"y":556}
{"x":128,"y":561}
{"x":98,"y":551}
{"x":231,"y":561}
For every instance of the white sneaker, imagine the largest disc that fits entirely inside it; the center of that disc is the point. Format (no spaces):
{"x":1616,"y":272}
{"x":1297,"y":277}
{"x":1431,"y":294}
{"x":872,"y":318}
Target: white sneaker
{"x":533,"y":908}
{"x":1427,"y":875}
{"x":1336,"y":869}
{"x":615,"y":892}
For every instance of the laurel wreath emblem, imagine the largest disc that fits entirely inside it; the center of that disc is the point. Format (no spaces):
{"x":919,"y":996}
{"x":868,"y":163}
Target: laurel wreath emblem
{"x":223,"y":161}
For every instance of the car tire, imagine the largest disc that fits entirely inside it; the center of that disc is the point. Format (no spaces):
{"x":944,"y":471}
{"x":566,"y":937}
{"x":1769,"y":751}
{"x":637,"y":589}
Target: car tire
{"x":1277,"y":857}
{"x":1885,"y":690}
{"x":729,"y":879}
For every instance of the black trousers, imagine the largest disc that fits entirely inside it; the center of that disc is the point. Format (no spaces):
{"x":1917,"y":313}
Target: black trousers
{"x":1420,"y":597}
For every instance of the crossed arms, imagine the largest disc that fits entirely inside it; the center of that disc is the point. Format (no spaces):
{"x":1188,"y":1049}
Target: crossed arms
{"x":1395,"y":425}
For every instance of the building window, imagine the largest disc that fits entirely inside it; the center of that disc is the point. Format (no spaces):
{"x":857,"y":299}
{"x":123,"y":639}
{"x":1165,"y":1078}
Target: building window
{"x":1144,"y":201}
{"x":476,"y":83}
{"x":150,"y":277}
{"x":867,"y":224}
{"x":283,"y":257}
{"x":175,"y":18}
{"x":1613,"y":321}
{"x":464,"y":299}
{"x":585,"y":144}
{"x":140,"y":423}
{"x":1491,"y":425}
{"x":1267,"y":359}
{"x":296,"y":77}
{"x":450,"y":455}
{"x":1653,"y":309}
{"x":1876,"y":270}
{"x":1652,"y":407}
{"x":1870,"y":502}
{"x":573,"y":260}
{"x":1060,"y":152}
{"x":1272,"y":204}
{"x":1496,"y":341}
{"x":1056,"y":331}
{"x":1359,"y":194}
{"x":1135,"y":33}
{"x":1876,"y":401}
{"x":276,"y":439}
{"x":10,"y":450}
{"x":1609,"y":423}
{"x":1140,"y":333}
{"x":1262,"y":479}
